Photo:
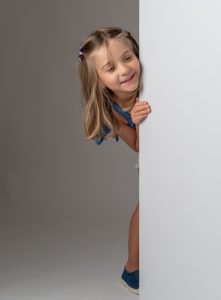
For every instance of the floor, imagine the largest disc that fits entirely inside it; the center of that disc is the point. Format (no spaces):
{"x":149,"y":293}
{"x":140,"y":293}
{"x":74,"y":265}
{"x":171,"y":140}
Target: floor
{"x":56,"y":262}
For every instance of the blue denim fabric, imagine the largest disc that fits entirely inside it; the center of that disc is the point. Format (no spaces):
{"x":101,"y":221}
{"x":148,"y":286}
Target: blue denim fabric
{"x":107,"y":130}
{"x":125,"y":114}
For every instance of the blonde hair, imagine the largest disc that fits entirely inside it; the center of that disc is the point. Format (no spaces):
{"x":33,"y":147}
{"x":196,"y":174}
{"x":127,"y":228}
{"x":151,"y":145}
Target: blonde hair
{"x":98,"y":109}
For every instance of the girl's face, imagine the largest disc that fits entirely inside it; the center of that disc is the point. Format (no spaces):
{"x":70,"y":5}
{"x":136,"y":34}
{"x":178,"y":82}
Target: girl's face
{"x":120,"y":72}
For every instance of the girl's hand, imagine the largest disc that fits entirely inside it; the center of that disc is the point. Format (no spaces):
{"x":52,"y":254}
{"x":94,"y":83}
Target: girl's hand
{"x":140,"y":111}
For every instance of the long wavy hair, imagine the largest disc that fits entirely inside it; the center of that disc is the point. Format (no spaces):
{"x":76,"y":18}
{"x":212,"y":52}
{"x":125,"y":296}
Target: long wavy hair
{"x":98,"y":110}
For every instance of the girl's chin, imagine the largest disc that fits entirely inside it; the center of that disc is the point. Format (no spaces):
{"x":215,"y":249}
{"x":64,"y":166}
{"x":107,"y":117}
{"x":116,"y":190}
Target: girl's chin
{"x":131,"y":88}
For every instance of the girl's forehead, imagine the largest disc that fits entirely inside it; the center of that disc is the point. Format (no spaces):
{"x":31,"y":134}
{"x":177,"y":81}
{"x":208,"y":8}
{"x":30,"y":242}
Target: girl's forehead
{"x":114,"y":49}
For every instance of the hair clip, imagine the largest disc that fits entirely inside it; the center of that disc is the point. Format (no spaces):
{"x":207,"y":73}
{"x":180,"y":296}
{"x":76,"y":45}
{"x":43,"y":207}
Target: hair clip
{"x":81,"y":54}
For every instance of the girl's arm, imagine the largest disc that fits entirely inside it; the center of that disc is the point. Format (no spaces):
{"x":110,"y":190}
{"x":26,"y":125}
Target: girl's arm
{"x":129,"y":136}
{"x":127,"y":133}
{"x":137,"y":134}
{"x":139,"y":112}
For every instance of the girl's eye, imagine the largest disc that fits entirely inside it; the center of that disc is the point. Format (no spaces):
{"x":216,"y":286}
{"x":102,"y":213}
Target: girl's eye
{"x":110,"y":69}
{"x":128,"y":57}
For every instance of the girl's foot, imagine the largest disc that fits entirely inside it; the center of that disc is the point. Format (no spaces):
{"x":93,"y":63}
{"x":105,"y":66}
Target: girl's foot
{"x":131,"y":280}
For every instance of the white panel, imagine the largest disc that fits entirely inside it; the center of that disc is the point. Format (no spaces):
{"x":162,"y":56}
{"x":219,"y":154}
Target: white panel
{"x":180,"y":150}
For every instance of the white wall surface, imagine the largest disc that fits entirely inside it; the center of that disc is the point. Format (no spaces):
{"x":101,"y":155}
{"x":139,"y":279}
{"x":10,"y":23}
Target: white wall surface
{"x":180,"y":150}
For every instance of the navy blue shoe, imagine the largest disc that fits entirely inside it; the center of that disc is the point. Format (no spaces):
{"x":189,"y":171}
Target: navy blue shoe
{"x":131,"y":280}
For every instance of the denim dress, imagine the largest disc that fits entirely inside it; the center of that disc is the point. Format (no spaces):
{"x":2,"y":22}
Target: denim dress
{"x":127,"y":116}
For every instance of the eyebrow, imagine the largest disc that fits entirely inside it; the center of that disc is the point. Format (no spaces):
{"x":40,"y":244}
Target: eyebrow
{"x":121,"y":56}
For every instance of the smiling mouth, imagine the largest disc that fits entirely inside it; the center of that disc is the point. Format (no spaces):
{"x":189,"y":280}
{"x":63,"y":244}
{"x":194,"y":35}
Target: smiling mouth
{"x":128,"y":79}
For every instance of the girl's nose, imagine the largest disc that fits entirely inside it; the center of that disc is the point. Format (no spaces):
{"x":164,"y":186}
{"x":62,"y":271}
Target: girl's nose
{"x":124,"y":70}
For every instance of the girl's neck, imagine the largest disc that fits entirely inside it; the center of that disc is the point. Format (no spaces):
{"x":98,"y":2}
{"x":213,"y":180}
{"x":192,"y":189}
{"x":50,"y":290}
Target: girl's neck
{"x":123,"y":103}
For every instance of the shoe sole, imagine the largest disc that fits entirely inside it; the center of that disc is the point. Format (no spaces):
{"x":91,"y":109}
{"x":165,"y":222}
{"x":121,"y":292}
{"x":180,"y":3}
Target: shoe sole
{"x":134,"y":291}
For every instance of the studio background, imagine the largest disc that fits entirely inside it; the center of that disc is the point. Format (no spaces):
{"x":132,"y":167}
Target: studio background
{"x":66,"y":202}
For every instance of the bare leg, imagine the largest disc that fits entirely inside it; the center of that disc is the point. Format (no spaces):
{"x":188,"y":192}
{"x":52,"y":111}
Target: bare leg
{"x":133,"y":242}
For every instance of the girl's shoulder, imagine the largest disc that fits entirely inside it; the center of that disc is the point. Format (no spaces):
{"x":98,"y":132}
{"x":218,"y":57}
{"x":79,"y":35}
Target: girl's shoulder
{"x":123,"y":117}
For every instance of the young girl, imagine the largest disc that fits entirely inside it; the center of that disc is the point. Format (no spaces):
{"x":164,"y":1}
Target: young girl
{"x":110,"y":74}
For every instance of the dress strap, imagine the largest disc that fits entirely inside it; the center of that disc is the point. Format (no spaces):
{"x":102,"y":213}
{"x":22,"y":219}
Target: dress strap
{"x":101,"y":137}
{"x":125,"y":114}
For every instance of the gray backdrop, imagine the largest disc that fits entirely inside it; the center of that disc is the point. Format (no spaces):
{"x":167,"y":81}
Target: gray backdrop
{"x":62,"y":197}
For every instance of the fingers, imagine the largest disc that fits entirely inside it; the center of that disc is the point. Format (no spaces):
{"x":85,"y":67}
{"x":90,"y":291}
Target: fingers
{"x":143,"y":108}
{"x":141,"y":103}
{"x":138,"y":101}
{"x":140,"y":111}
